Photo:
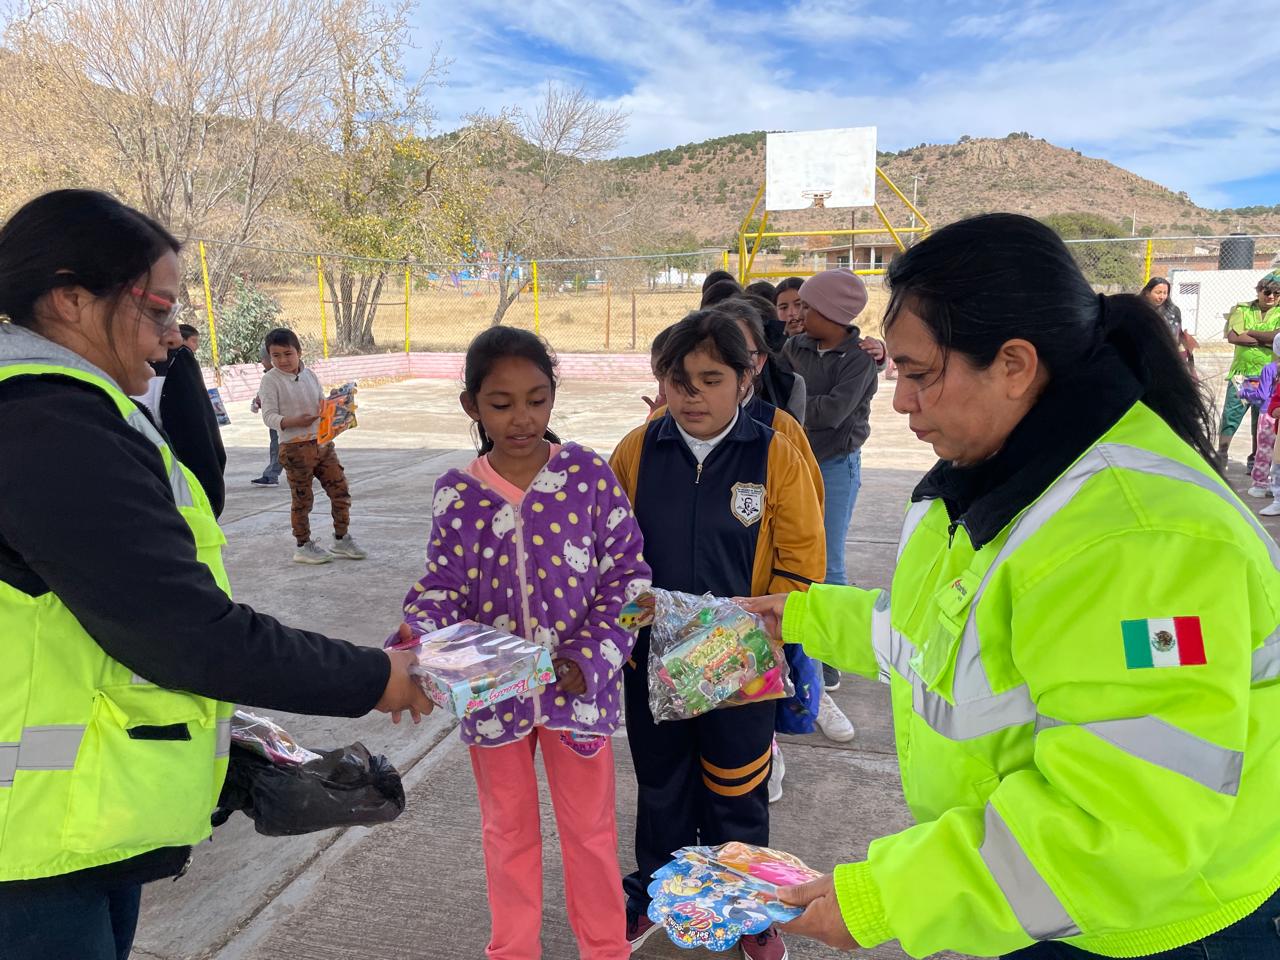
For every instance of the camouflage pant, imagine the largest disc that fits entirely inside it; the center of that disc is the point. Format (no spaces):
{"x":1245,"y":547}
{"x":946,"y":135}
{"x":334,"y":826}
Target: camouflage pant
{"x":304,"y":460}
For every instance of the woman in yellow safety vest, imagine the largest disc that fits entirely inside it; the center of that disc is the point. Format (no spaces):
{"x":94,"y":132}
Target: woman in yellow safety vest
{"x":123,"y":649}
{"x":1082,"y":638}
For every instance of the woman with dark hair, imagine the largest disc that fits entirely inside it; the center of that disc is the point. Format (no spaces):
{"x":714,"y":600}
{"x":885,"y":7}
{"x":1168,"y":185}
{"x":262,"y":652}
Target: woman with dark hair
{"x":124,"y":650}
{"x":761,"y":288}
{"x":1156,"y":293}
{"x":1080,"y":639}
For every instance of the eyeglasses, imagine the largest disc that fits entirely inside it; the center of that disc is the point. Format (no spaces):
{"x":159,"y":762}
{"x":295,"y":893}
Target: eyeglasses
{"x":1269,"y":291}
{"x":161,"y":311}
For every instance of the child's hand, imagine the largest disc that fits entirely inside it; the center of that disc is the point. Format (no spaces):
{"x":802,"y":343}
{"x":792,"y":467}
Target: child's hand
{"x":301,"y":420}
{"x":256,"y":405}
{"x":874,"y":347}
{"x":569,"y":677}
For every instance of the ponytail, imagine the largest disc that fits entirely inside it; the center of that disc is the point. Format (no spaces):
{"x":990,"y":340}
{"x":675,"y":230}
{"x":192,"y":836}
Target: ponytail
{"x":1131,"y":326}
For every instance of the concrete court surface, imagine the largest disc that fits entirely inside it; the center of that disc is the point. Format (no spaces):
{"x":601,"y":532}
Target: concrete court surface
{"x":415,"y":888}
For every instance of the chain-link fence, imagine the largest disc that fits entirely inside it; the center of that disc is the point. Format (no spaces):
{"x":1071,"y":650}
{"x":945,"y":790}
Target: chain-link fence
{"x":1207,"y":276}
{"x":347,"y":305}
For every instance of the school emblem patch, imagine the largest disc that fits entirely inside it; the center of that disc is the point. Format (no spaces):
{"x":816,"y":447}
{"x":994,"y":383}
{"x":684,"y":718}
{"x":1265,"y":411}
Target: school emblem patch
{"x":746,"y":500}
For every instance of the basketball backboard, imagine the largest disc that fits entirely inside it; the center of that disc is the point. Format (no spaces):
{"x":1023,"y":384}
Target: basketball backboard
{"x":820,"y":169}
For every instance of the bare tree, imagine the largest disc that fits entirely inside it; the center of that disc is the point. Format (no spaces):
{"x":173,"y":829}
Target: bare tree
{"x":563,"y":207}
{"x":207,"y":105}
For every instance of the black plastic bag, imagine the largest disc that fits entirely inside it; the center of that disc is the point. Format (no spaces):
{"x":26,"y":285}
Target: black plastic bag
{"x":347,"y":787}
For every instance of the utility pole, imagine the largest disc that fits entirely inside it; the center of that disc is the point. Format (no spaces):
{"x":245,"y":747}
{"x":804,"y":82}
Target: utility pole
{"x":915,"y":192}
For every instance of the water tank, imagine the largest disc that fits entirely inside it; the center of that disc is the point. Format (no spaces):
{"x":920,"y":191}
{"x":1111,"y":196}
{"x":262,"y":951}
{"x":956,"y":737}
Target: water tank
{"x":1236,"y":252}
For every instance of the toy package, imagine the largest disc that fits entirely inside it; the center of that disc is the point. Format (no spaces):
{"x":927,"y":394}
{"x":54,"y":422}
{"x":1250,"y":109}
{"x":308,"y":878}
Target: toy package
{"x":338,"y":413}
{"x":219,"y":408}
{"x":709,"y":897}
{"x":470,"y":666}
{"x":268,"y":739}
{"x":707,"y":652}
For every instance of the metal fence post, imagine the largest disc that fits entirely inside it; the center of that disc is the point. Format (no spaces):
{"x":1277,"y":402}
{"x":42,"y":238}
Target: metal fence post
{"x":537,"y":315}
{"x":633,"y":319}
{"x":407,"y":287}
{"x":324,"y":320}
{"x":208,"y":308}
{"x":608,"y":310}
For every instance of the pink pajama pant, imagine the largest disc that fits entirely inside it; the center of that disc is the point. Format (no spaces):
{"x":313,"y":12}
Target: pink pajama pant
{"x":580,"y":776}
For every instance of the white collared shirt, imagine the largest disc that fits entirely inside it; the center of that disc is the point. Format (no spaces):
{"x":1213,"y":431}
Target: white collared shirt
{"x":701,"y":448}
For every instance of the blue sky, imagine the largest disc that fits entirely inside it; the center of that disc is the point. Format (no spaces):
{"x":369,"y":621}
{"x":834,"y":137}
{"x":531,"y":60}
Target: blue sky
{"x":1187,"y":97}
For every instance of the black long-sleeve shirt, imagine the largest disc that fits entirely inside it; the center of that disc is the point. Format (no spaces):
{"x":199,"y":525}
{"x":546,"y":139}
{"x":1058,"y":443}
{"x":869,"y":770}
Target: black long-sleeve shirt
{"x":86,"y":512}
{"x":191,"y":425}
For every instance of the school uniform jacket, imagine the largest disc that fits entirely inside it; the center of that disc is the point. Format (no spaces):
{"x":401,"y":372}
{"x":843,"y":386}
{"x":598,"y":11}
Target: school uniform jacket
{"x":745,"y":522}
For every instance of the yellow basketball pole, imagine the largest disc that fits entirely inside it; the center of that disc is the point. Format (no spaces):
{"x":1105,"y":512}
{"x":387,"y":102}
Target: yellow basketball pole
{"x":888,"y":226}
{"x":407,"y":284}
{"x":537,"y":316}
{"x":755,"y":247}
{"x":903,"y":197}
{"x":725,"y":261}
{"x":742,"y":230}
{"x":1146,"y":264}
{"x":208,"y":309}
{"x":324,"y":321}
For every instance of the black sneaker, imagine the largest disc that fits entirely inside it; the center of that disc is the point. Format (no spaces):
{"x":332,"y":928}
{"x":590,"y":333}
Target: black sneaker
{"x":830,"y":678}
{"x":639,"y":928}
{"x":264,"y":482}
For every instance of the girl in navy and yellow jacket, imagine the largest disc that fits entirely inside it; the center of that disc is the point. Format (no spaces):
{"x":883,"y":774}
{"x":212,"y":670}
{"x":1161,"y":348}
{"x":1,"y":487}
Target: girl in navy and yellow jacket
{"x":727,"y":507}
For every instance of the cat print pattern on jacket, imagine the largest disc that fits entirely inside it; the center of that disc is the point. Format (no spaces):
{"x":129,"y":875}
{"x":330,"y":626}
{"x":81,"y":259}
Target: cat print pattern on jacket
{"x":556,"y":569}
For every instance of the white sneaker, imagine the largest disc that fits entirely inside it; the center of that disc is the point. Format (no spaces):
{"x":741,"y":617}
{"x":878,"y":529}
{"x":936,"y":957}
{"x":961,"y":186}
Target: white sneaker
{"x":776,"y":774}
{"x":1258,"y":493}
{"x":1271,"y":509}
{"x":311,"y":552}
{"x":833,"y":723}
{"x":346,"y":547}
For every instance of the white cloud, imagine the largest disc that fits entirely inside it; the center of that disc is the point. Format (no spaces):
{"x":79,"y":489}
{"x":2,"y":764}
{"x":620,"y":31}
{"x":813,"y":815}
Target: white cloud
{"x":1111,"y":81}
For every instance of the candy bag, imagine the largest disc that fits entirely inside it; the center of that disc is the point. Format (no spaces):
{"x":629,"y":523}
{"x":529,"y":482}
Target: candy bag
{"x":710,"y":897}
{"x":707,"y":652}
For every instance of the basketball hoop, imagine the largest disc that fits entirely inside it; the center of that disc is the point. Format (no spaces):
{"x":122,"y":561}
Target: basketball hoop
{"x":817,"y":198}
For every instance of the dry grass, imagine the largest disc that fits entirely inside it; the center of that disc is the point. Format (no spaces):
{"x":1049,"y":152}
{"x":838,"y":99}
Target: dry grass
{"x":447,"y":318}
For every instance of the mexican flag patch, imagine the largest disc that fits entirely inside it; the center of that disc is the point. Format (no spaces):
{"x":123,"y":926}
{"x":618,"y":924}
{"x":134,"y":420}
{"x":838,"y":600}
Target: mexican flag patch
{"x":1164,"y":642}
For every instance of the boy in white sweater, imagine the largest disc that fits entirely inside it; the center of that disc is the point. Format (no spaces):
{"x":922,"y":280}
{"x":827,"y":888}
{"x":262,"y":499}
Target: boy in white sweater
{"x":291,"y":398}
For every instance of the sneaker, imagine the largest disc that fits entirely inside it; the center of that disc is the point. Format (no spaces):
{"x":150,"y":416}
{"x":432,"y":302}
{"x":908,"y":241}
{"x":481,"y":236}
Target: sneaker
{"x":1258,"y":493}
{"x":347,"y":548}
{"x":764,"y":946}
{"x":639,"y":928}
{"x":833,"y":723}
{"x":264,"y":482}
{"x":1271,"y":509}
{"x":830,"y":678}
{"x":311,"y":552}
{"x":776,"y":774}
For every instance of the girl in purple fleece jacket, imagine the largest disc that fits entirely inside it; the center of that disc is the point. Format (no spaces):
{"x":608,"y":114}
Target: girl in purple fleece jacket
{"x":538,"y":539}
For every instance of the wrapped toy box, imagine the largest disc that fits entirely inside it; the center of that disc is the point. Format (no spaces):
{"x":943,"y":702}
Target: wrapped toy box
{"x":469,"y":666}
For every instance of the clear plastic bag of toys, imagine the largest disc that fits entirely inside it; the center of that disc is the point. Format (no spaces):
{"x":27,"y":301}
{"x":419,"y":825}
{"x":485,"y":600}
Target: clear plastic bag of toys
{"x":707,"y":652}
